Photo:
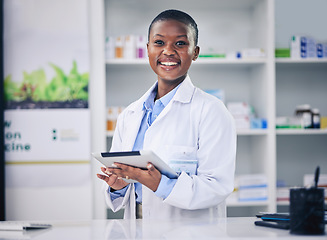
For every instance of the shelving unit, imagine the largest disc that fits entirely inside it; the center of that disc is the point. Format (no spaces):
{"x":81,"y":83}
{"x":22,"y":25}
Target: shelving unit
{"x":301,"y":61}
{"x":241,"y":79}
{"x":302,"y":132}
{"x":299,"y":81}
{"x":199,"y":61}
{"x":262,"y":82}
{"x":240,"y":132}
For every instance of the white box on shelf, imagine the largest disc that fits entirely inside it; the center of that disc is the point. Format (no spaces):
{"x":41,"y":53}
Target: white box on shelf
{"x":252,"y":187}
{"x":240,"y":109}
{"x":253,"y":194}
{"x":242,"y":122}
{"x":252,"y":180}
{"x":219,"y":93}
{"x":130,"y":47}
{"x":110,"y":47}
{"x":308,"y":180}
{"x":303,"y":47}
{"x":141,"y":51}
{"x":253,"y":53}
{"x":283,"y":194}
{"x":295,"y":47}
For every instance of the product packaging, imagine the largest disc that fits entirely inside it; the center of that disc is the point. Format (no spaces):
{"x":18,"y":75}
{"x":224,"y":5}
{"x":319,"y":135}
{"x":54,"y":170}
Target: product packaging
{"x":253,"y":53}
{"x":253,"y":187}
{"x":129,"y":47}
{"x":218,"y":93}
{"x":119,"y":47}
{"x":141,"y":47}
{"x":282,"y":53}
{"x":110,"y":48}
{"x":303,"y":47}
{"x":323,"y":122}
{"x":242,"y":113}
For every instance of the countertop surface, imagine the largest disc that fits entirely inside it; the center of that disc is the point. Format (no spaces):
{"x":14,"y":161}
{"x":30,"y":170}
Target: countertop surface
{"x":223,"y":228}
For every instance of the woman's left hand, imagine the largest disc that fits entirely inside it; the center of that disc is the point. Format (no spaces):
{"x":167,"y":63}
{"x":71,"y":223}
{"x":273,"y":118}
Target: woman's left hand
{"x":150,"y":177}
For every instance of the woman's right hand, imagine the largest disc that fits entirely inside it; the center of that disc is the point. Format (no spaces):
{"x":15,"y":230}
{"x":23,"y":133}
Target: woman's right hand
{"x":111,"y":179}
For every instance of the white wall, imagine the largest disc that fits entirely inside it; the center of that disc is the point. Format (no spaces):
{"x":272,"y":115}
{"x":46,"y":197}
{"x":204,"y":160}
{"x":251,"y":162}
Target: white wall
{"x":306,"y":17}
{"x":54,"y":203}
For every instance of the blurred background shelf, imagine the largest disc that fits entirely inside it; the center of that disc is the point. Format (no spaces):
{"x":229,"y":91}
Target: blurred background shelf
{"x":301,"y":131}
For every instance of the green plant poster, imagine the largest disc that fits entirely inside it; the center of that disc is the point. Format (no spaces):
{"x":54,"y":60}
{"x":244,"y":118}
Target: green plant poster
{"x":36,"y":91}
{"x":46,"y":79}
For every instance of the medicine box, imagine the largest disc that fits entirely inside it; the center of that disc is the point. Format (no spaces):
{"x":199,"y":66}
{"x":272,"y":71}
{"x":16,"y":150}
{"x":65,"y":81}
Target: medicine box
{"x":303,"y":47}
{"x":320,"y":53}
{"x":110,"y":48}
{"x":141,"y":51}
{"x":218,"y":93}
{"x":282,"y":53}
{"x":242,"y":122}
{"x":252,"y":187}
{"x":252,"y":180}
{"x":253,"y":194}
{"x":322,"y":50}
{"x":130,"y":47}
{"x":240,"y":109}
{"x":258,"y":123}
{"x":283,"y":194}
{"x":308,"y":180}
{"x":253,"y":53}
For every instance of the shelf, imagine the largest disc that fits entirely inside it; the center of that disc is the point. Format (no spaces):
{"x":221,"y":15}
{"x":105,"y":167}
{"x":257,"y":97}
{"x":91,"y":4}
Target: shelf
{"x":287,"y":203}
{"x":248,"y":61}
{"x":301,"y":131}
{"x":247,"y":204}
{"x":272,"y":85}
{"x":224,"y":61}
{"x":250,"y":132}
{"x":283,"y":203}
{"x":240,"y":132}
{"x":141,"y":61}
{"x":304,"y":60}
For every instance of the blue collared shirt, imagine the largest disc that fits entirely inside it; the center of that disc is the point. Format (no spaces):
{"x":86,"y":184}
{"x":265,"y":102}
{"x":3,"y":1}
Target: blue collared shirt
{"x":152,"y":110}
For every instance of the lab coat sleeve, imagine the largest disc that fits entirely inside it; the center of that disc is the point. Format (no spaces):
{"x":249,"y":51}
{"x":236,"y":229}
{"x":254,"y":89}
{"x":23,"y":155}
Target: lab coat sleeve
{"x":216,"y":153}
{"x":116,"y":145}
{"x":119,"y":202}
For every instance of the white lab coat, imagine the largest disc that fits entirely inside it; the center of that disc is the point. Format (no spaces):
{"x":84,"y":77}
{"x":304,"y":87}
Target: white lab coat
{"x":193,"y":126}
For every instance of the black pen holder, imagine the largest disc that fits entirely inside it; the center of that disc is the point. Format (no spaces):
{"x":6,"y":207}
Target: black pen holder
{"x":307,"y":211}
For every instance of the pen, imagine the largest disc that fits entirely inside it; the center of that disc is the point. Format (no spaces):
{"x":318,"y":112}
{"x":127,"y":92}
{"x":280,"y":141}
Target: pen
{"x":317,"y":176}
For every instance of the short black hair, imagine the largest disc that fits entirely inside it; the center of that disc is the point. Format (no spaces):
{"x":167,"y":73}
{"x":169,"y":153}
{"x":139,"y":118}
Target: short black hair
{"x":179,"y":16}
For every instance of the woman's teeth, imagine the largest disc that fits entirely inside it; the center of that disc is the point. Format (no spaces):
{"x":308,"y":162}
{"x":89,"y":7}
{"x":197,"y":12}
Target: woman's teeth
{"x":169,"y":63}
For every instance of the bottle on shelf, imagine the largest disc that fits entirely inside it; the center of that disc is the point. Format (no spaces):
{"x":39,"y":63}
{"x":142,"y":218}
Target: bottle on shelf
{"x":315,"y":118}
{"x":304,"y":112}
{"x":141,"y":47}
{"x":119,"y":47}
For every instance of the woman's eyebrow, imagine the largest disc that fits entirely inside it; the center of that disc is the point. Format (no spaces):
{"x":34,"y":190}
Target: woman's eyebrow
{"x":179,"y":36}
{"x":157,"y":35}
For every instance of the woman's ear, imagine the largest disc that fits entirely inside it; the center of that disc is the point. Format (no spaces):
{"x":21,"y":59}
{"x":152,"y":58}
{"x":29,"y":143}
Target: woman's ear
{"x":147,"y":48}
{"x":196,"y":53}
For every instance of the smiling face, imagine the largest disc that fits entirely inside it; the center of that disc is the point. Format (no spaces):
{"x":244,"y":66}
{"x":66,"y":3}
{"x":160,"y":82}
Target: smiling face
{"x":171,"y":49}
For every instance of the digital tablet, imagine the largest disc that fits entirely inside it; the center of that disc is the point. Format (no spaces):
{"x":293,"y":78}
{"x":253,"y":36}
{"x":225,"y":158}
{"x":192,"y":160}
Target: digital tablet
{"x":138,"y":159}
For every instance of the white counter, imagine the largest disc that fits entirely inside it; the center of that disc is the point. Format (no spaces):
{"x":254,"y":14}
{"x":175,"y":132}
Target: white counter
{"x":229,"y":228}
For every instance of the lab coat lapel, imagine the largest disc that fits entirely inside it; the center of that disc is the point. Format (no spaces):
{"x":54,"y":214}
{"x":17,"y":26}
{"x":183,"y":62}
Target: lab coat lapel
{"x":135,"y":116}
{"x":184,"y":94}
{"x":133,"y":128}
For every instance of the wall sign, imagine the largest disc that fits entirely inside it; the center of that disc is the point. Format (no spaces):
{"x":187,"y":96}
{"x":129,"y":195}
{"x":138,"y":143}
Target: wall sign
{"x":46,"y":70}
